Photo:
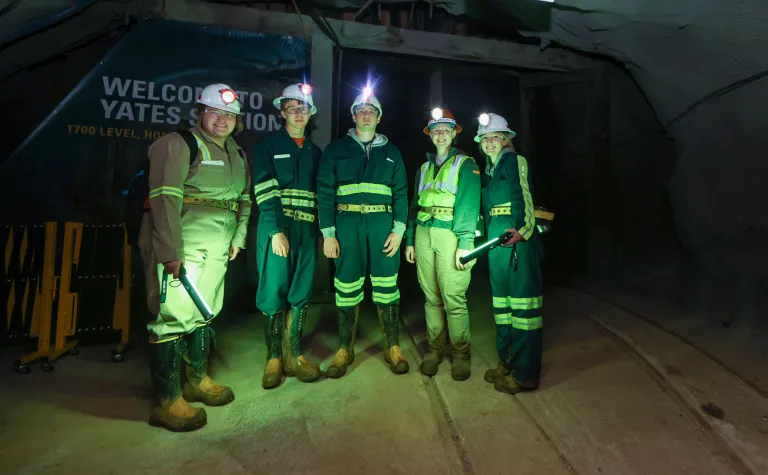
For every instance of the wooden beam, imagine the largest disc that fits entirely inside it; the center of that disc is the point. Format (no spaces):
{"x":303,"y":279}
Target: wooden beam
{"x":380,"y":38}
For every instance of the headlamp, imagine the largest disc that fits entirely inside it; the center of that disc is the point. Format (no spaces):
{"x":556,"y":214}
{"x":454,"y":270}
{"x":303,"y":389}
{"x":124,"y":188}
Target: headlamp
{"x":437,"y":113}
{"x":228,"y":96}
{"x":484,"y":119}
{"x":367,"y":91}
{"x":306,"y":89}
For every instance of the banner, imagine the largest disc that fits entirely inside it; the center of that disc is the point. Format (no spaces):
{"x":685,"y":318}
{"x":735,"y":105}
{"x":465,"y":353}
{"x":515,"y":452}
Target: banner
{"x":74,"y":166}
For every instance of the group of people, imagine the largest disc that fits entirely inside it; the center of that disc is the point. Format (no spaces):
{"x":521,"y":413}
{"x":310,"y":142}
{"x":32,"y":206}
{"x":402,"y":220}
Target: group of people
{"x":355,"y":195}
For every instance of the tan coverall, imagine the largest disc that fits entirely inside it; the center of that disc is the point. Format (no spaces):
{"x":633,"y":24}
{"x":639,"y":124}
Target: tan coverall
{"x":199,"y":235}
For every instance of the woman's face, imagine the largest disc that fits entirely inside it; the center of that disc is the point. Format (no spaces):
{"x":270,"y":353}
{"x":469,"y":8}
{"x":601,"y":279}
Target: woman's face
{"x":442,"y":135}
{"x":492,"y":143}
{"x":218,"y":123}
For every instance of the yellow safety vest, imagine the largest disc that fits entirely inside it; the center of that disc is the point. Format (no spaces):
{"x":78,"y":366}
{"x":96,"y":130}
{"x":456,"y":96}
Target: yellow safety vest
{"x":440,"y":190}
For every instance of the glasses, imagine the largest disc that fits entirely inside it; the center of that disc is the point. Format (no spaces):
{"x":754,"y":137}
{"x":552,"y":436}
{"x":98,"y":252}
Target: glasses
{"x":218,"y":113}
{"x":297,"y":110}
{"x":366,"y":111}
{"x":440,"y":132}
{"x":492,"y":138}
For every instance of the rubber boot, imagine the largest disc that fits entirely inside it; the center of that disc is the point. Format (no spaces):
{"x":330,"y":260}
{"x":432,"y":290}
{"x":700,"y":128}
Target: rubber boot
{"x":347,"y":332}
{"x":389,"y":318}
{"x":171,"y":410}
{"x":435,"y":355}
{"x":199,"y":386}
{"x":431,"y":362}
{"x":508,"y":384}
{"x":499,"y":372}
{"x":294,"y":362}
{"x":273,"y":371}
{"x":461,"y":369}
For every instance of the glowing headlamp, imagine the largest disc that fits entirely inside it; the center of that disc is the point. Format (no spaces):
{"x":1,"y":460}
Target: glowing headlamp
{"x":306,"y":89}
{"x":367,"y":91}
{"x":228,"y":96}
{"x":484,"y":119}
{"x":437,"y":113}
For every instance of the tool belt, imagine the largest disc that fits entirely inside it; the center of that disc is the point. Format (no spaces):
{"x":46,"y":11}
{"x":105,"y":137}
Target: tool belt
{"x":223,"y":204}
{"x":507,"y":210}
{"x":365,"y":209}
{"x":299,"y":215}
{"x":438,"y":210}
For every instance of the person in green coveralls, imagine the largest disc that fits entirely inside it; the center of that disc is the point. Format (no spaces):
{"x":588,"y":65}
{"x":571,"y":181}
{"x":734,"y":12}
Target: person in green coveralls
{"x":285,"y":182}
{"x":516,"y":283}
{"x":441,"y":229}
{"x":362,"y":190}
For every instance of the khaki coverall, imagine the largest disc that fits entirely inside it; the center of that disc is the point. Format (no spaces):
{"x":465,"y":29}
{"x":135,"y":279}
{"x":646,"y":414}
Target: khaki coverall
{"x":200,"y":235}
{"x":454,"y":187}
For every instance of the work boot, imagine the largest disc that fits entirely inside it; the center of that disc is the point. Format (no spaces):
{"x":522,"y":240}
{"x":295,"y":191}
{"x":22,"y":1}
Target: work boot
{"x":389,"y":318}
{"x":499,"y":372}
{"x":347,"y":332}
{"x":461,"y":369}
{"x":295,"y":363}
{"x":273,"y":371}
{"x":171,"y":410}
{"x":431,"y":362}
{"x":508,"y":384}
{"x":199,"y":386}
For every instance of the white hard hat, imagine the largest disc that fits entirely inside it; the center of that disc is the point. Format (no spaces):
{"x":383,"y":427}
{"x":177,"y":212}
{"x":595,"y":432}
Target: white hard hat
{"x":366,"y":97}
{"x":301,"y":92}
{"x":221,"y":97}
{"x":491,"y":122}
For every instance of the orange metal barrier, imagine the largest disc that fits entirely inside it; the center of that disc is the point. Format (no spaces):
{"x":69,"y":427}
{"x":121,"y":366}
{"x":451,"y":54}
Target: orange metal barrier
{"x":44,"y":272}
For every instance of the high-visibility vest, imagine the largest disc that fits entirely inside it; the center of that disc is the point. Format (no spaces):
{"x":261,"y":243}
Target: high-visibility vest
{"x":439,"y":190}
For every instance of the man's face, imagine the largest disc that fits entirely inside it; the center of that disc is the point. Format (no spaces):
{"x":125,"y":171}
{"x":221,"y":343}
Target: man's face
{"x":366,"y":118}
{"x":442,"y":135}
{"x":295,"y":113}
{"x":217,"y":122}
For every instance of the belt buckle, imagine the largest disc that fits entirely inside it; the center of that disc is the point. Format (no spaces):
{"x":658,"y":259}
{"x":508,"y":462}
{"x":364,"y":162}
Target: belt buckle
{"x":296,"y":215}
{"x":232,"y":206}
{"x":364,"y":209}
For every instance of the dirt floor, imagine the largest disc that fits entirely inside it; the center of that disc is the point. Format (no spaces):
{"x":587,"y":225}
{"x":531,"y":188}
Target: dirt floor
{"x":618,"y":396}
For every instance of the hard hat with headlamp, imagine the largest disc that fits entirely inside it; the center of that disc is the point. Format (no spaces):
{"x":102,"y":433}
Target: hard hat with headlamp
{"x":220,"y":96}
{"x":442,"y":116}
{"x":366,"y":97}
{"x":490,"y":122}
{"x":301,"y":92}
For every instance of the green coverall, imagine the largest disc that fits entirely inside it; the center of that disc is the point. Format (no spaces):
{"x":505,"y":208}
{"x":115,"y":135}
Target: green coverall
{"x":284,"y":177}
{"x":516,"y":283}
{"x":352,"y":174}
{"x":436,"y":241}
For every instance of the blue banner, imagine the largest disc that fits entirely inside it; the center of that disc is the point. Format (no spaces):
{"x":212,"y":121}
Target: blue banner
{"x":73,"y":167}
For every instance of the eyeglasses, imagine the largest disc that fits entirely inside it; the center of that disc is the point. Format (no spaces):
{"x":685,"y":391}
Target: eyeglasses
{"x":297,"y":110}
{"x":492,"y":138}
{"x":440,"y":132}
{"x":366,"y":111}
{"x":219,"y":113}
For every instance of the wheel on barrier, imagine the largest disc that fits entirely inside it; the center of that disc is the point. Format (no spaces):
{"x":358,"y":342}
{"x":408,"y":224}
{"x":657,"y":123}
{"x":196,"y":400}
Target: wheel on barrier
{"x":47,"y":366}
{"x":21,"y":368}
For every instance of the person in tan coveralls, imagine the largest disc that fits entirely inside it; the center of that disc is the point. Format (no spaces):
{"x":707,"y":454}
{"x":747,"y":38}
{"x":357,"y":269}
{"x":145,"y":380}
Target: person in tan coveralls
{"x":198,"y":216}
